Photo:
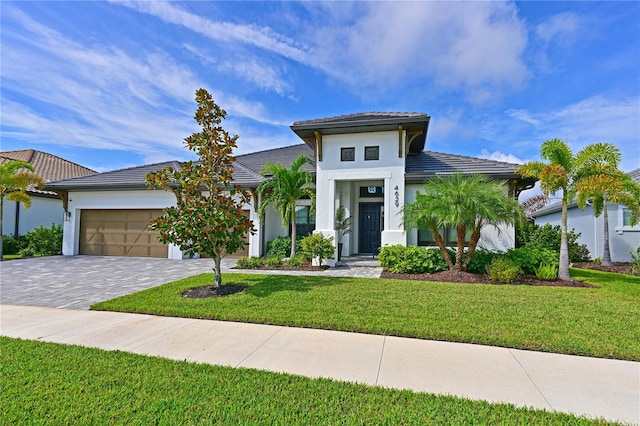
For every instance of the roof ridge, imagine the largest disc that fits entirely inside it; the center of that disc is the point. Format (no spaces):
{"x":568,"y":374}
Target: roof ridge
{"x":34,"y":152}
{"x":269,"y":150}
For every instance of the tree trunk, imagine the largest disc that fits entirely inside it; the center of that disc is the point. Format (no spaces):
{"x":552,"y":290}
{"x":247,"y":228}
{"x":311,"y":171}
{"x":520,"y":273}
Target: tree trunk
{"x":473,"y":243}
{"x":563,"y":268}
{"x":217,"y":270}
{"x":606,"y":252}
{"x":293,"y":232}
{"x":443,"y":247}
{"x":461,"y":231}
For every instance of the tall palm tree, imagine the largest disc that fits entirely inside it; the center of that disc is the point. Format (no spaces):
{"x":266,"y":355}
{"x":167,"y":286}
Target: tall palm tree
{"x":466,"y":202}
{"x":602,"y":182}
{"x":563,"y":172}
{"x":15,"y":177}
{"x":284,"y":187}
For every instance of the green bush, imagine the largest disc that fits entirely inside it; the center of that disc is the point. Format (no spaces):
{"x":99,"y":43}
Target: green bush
{"x":635,"y":262}
{"x":503,"y":269}
{"x":280,"y":247}
{"x":12,"y":244}
{"x":249,"y":263}
{"x":547,"y":271}
{"x":296,"y":261}
{"x":45,"y":241}
{"x":530,"y":258}
{"x":399,"y":259}
{"x":317,"y":246}
{"x":548,"y":237}
{"x":27,"y":252}
{"x":272,"y":261}
{"x":481,"y":258}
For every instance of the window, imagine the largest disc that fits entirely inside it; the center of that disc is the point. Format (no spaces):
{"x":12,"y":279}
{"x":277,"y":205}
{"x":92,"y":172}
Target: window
{"x":626,"y":217}
{"x":448,"y":234}
{"x":371,"y":152}
{"x":305,"y":221}
{"x":347,"y":154}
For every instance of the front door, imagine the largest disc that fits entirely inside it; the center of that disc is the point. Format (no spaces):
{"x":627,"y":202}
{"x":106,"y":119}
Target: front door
{"x":370,"y":227}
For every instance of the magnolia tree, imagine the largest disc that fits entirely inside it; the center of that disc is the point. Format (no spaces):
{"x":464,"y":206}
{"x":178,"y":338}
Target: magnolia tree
{"x":208,"y":216}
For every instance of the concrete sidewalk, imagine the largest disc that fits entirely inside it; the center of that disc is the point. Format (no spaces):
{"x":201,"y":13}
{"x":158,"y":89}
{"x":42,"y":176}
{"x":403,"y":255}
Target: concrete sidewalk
{"x":580,"y":385}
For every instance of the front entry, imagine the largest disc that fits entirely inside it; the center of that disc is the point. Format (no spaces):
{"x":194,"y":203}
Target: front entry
{"x":370,"y":227}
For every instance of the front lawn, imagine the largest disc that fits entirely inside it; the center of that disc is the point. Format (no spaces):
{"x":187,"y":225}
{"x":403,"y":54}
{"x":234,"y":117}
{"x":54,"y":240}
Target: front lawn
{"x":47,"y":383}
{"x":600,"y":322}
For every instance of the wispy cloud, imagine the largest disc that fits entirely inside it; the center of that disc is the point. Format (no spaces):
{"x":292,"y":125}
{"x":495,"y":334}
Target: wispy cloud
{"x":561,"y":28}
{"x":500,"y":156}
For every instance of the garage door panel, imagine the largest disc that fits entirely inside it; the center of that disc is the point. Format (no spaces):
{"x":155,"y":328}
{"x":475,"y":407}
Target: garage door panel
{"x":120,"y":233}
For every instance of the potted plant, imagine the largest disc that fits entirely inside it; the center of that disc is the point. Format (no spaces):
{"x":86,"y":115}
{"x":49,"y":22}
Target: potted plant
{"x":342,"y":227}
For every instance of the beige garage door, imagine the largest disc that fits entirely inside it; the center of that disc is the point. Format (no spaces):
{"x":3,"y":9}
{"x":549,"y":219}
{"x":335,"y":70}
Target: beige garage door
{"x":120,"y":233}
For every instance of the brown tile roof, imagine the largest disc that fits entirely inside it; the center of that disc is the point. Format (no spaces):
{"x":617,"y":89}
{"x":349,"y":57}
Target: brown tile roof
{"x":47,"y":166}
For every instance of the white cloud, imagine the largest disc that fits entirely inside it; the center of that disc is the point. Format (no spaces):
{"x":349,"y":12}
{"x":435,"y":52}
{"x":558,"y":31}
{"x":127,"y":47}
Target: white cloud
{"x":499,"y":156}
{"x":562,"y":28}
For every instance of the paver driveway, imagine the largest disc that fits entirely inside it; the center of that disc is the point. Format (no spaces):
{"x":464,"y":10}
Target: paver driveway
{"x":77,"y":282}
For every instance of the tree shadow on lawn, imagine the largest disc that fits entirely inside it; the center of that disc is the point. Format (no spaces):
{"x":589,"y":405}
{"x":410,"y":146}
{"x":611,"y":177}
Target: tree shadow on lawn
{"x":266,"y":285}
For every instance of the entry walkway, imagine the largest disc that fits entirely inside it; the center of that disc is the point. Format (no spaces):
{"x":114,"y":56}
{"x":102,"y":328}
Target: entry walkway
{"x":580,"y":385}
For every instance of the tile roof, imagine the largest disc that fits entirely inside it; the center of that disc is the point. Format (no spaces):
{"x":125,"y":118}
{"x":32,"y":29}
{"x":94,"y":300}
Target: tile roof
{"x":49,"y":167}
{"x":429,"y":163}
{"x":364,"y":117}
{"x":635,"y":175}
{"x":285,"y":156}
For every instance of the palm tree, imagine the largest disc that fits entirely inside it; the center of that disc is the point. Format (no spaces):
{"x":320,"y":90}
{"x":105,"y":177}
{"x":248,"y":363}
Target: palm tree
{"x":601,"y":182}
{"x":284,"y":187}
{"x":563,"y":172}
{"x":468,"y":203}
{"x":15,"y":177}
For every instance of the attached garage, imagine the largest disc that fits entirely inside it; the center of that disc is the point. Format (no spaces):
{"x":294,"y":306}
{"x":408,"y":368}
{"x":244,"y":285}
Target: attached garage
{"x":107,"y":232}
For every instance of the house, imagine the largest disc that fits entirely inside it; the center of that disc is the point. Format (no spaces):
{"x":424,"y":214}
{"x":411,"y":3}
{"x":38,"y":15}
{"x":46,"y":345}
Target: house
{"x":46,"y":207}
{"x":371,"y":163}
{"x":623,"y":238}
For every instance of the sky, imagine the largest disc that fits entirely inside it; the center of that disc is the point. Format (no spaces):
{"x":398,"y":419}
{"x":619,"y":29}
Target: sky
{"x":111,"y":85}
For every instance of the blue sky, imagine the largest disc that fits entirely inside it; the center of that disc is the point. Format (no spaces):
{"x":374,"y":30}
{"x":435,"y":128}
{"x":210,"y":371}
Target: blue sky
{"x":111,"y":84}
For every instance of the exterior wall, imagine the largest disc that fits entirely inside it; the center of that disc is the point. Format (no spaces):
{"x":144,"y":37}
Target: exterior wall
{"x":337,"y":182}
{"x":495,"y":238}
{"x":622,"y":239}
{"x":43,"y":212}
{"x":139,"y":199}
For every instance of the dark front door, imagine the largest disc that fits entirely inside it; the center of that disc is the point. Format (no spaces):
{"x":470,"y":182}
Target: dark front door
{"x":370,"y":227}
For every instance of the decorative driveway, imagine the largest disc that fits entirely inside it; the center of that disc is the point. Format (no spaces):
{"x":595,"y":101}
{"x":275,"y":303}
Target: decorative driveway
{"x":77,"y":282}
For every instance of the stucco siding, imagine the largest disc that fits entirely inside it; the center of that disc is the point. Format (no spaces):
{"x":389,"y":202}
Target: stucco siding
{"x":43,"y":212}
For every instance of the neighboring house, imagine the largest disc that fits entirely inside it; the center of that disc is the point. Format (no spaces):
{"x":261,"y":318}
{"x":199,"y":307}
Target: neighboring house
{"x":372,"y":163}
{"x":623,"y":238}
{"x":46,"y":207}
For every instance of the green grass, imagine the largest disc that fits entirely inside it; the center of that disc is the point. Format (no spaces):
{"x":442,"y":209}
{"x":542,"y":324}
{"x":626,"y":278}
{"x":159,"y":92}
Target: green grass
{"x":46,"y":383}
{"x":11,"y":256}
{"x":600,"y":322}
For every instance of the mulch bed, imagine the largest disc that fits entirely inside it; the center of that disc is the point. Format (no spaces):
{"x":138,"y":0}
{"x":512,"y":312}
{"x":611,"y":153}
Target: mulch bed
{"x":617,"y":267}
{"x":470,"y":278}
{"x":211,"y":291}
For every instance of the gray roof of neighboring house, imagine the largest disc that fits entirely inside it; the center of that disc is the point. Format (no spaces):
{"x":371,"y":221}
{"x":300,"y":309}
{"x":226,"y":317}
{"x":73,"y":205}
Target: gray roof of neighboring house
{"x":556,"y":207}
{"x":365,"y":122}
{"x":285,"y":156}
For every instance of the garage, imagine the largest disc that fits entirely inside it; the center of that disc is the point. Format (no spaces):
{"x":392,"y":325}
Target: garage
{"x":107,"y":232}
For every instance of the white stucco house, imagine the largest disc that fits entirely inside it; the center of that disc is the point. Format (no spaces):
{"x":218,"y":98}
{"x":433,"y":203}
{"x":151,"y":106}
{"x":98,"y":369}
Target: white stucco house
{"x":623,"y":238}
{"x":46,"y":207}
{"x":370,"y":163}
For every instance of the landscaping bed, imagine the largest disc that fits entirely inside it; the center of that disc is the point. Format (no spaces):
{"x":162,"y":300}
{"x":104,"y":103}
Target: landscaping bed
{"x":453,"y":276}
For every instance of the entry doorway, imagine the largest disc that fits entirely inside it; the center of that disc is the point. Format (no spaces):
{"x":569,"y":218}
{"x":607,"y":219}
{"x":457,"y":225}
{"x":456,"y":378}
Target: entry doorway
{"x":370,"y":227}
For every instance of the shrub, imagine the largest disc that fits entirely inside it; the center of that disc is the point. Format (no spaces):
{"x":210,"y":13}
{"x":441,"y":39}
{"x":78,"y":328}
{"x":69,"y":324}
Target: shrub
{"x":45,"y":241}
{"x":481,"y":258}
{"x":548,"y":237}
{"x":635,"y":262}
{"x":399,"y":259}
{"x":281,"y":247}
{"x":249,"y":263}
{"x":503,"y":269}
{"x":530,"y":258}
{"x":317,"y":246}
{"x":12,"y":244}
{"x":547,"y":271}
{"x":27,"y":252}
{"x":296,"y":261}
{"x":272,"y":261}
